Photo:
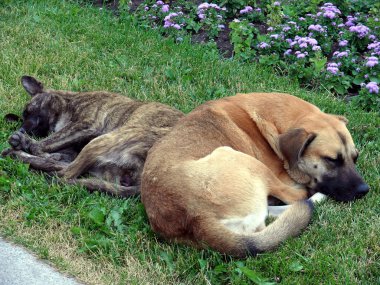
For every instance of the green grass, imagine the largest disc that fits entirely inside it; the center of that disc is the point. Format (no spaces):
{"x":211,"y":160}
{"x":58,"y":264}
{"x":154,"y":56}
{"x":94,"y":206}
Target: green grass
{"x":104,"y":240}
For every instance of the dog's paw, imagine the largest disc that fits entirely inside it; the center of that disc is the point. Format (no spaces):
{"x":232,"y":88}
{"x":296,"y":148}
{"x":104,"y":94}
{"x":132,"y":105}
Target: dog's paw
{"x":7,"y":152}
{"x":16,"y":140}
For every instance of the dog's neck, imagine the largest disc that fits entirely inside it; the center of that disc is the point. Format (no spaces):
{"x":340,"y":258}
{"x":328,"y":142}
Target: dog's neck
{"x":274,"y":125}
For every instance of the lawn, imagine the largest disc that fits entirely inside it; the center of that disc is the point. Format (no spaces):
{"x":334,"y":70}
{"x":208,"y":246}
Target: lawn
{"x":105,"y":240}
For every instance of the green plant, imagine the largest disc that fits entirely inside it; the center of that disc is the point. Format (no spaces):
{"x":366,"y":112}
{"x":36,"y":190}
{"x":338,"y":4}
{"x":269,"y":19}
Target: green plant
{"x":242,"y":35}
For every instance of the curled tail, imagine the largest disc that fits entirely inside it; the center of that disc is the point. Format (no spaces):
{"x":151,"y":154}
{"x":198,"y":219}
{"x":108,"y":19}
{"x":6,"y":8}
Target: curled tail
{"x":289,"y":224}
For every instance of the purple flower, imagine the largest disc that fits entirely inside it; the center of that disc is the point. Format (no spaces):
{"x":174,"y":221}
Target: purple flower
{"x":201,"y":16}
{"x":160,"y":3}
{"x":221,"y":26}
{"x":275,"y":36}
{"x":329,"y":14}
{"x":165,"y":8}
{"x":263,"y":45}
{"x":168,"y":24}
{"x":342,"y":54}
{"x":315,"y":48}
{"x":332,"y":67}
{"x":317,"y":28}
{"x":330,"y":10}
{"x":343,"y":43}
{"x":286,"y":28}
{"x":301,"y":19}
{"x":246,"y":10}
{"x":203,"y":6}
{"x":236,"y":20}
{"x":146,"y":8}
{"x":372,"y":37}
{"x":372,"y":87}
{"x":258,"y":10}
{"x":277,"y":3}
{"x":360,"y":30}
{"x":372,"y":61}
{"x":176,"y":26}
{"x":288,"y":52}
{"x":301,"y":55}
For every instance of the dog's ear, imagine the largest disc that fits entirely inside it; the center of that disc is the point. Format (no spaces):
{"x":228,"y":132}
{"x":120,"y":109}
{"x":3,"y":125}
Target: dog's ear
{"x":293,"y":144}
{"x":341,"y":118}
{"x":12,"y":118}
{"x":32,"y":85}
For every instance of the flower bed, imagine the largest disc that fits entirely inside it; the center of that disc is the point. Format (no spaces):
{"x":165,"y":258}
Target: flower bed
{"x":324,"y":45}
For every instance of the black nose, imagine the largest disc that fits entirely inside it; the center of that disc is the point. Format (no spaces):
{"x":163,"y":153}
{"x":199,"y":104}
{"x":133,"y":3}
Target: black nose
{"x":362,"y":190}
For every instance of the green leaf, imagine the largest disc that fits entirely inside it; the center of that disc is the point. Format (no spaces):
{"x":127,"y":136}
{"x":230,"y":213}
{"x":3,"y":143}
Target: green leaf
{"x":254,"y":277}
{"x":358,"y":80}
{"x":76,"y":230}
{"x":97,"y":216}
{"x":295,"y":266}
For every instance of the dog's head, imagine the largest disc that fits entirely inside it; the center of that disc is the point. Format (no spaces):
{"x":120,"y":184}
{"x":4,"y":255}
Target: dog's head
{"x":322,"y":155}
{"x":37,"y":118}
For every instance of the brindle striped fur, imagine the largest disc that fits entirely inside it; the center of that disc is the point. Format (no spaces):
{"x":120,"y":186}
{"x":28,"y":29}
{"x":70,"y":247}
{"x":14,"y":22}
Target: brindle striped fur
{"x":112,"y":134}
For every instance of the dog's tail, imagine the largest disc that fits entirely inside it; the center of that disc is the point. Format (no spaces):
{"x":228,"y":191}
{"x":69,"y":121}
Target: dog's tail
{"x":288,"y":224}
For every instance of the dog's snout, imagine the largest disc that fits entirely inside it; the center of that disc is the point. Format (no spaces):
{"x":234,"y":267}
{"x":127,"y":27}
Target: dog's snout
{"x":362,"y":190}
{"x":22,"y":130}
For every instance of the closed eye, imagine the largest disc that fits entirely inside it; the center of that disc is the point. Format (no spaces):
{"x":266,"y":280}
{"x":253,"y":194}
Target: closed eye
{"x":337,"y":161}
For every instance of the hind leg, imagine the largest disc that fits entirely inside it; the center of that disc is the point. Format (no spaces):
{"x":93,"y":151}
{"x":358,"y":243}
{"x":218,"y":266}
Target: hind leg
{"x":47,"y":163}
{"x":87,"y":158}
{"x":95,"y":184}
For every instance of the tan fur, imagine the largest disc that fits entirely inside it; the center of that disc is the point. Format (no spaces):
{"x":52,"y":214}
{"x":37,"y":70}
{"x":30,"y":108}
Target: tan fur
{"x":207,"y":182}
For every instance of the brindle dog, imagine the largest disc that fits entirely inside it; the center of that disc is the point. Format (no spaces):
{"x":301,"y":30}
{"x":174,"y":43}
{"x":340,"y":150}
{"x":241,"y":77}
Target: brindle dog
{"x":112,"y":134}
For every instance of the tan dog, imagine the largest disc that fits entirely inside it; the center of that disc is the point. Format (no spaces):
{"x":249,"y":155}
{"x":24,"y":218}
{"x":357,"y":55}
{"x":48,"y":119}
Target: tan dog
{"x":207,"y":181}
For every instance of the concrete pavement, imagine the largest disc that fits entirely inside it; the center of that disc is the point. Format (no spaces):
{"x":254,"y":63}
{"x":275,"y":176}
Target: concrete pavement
{"x":19,"y":267}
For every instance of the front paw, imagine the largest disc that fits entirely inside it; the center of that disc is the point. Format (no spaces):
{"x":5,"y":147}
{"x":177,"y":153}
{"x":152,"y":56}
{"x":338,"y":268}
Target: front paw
{"x":7,"y":152}
{"x":20,"y":141}
{"x":16,"y":140}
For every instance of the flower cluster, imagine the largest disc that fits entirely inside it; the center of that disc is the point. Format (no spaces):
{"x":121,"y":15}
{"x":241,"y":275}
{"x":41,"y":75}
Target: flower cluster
{"x":372,"y":87}
{"x":331,"y":47}
{"x":212,"y":17}
{"x":205,"y":7}
{"x":372,"y":61}
{"x":360,"y":30}
{"x":374,"y":48}
{"x":330,"y":11}
{"x":332,"y":67}
{"x":170,"y":21}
